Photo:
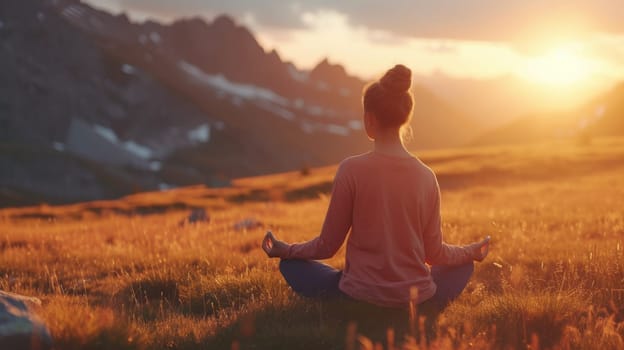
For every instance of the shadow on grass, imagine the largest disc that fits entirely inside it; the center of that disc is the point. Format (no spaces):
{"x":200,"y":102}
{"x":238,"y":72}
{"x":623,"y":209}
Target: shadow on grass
{"x":249,"y":317}
{"x":254,"y":195}
{"x":309,"y":192}
{"x":294,"y":323}
{"x":305,"y":324}
{"x":149,"y":299}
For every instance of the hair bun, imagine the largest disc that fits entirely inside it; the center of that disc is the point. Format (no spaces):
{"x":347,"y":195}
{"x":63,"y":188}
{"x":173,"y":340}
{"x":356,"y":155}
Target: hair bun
{"x":398,"y":79}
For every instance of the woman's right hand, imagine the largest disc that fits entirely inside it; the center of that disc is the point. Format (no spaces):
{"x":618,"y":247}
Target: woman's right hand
{"x":273,"y":247}
{"x":480,"y":249}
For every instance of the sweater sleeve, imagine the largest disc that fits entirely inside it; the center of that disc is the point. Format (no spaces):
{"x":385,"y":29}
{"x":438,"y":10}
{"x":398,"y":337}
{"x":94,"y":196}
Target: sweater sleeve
{"x":436,"y":251}
{"x":336,"y":225}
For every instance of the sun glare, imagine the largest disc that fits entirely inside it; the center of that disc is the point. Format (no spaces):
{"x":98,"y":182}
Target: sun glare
{"x":563,"y":65}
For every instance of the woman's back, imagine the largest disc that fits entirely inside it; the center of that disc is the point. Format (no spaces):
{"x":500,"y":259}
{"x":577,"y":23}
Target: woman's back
{"x":394,"y":205}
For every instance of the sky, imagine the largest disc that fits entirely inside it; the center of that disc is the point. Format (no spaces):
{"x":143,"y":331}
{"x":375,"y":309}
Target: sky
{"x":552,"y":43}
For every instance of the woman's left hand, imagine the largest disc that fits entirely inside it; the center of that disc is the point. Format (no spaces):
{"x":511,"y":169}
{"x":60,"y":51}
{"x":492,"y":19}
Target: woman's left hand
{"x":480,"y":249}
{"x":273,"y":247}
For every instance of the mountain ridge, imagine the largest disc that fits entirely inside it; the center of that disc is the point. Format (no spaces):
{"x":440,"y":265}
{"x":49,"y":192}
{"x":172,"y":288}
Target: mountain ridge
{"x":601,"y":116}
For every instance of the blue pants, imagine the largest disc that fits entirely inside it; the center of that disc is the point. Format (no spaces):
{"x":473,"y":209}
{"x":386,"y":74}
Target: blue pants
{"x":313,"y":279}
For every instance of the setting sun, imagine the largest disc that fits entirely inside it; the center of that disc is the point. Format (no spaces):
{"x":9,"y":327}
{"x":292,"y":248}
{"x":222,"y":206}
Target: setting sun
{"x":563,"y":65}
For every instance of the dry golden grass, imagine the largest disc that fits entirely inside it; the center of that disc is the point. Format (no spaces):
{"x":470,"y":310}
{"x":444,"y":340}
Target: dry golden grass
{"x":126,"y":274}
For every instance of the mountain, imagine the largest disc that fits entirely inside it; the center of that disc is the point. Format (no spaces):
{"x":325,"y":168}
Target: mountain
{"x":602,"y":116}
{"x":52,"y":74}
{"x":96,"y":106}
{"x":437,"y":124}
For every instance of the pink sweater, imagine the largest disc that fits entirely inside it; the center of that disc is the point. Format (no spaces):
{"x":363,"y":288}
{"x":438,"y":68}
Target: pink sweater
{"x":392,"y":206}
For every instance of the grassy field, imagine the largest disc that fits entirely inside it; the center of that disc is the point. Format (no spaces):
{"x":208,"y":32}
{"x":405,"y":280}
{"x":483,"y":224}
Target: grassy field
{"x":131,"y":274}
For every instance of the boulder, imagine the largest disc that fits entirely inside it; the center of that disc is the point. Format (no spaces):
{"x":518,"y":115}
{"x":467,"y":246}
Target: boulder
{"x":248,"y":224}
{"x":20,"y":329}
{"x":196,"y":216}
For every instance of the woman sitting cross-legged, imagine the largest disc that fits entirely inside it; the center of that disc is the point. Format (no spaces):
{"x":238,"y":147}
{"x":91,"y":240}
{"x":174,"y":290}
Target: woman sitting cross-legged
{"x":390,"y":201}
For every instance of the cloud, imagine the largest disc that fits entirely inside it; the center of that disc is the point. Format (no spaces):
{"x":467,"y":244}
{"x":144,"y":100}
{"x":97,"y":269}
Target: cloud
{"x":369,"y":52}
{"x":269,"y":13}
{"x":442,"y":48}
{"x":516,"y":21}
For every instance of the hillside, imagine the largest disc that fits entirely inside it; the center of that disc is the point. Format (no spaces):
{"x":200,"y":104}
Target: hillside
{"x":437,"y":124}
{"x":602,"y":116}
{"x":496,"y":101}
{"x":135,"y":274}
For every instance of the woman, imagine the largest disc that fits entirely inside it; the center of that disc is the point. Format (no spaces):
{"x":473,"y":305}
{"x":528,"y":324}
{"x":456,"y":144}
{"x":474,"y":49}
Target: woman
{"x":391,"y":202}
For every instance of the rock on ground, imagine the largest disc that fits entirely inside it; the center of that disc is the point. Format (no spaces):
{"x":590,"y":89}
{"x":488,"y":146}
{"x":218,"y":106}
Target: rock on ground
{"x":20,"y":329}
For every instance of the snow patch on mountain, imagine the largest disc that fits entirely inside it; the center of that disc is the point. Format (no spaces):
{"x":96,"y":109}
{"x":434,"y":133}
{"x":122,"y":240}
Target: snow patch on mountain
{"x":138,"y":149}
{"x":163,"y":186}
{"x":323,"y":86}
{"x":344,"y":92}
{"x":128,"y":69}
{"x":221,"y":83}
{"x":338,"y":130}
{"x":312,"y":127}
{"x":106,"y":133}
{"x":155,"y":166}
{"x":59,"y":146}
{"x":155,"y":37}
{"x":200,"y":134}
{"x":297,"y":75}
{"x":298,"y":103}
{"x":73,"y":11}
{"x":133,"y":147}
{"x":219,"y":125}
{"x":355,"y":124}
{"x":315,"y":110}
{"x":308,"y":128}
